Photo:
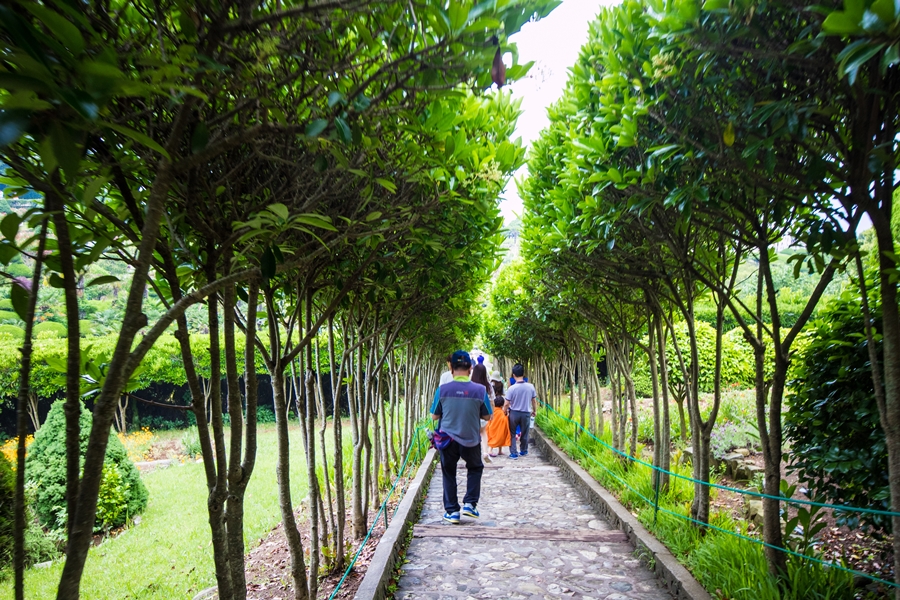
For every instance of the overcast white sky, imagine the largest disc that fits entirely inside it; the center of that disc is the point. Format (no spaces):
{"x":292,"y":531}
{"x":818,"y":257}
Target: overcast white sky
{"x":553,"y":43}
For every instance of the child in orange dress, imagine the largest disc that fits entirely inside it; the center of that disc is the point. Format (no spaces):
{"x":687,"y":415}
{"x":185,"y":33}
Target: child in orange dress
{"x":498,"y":428}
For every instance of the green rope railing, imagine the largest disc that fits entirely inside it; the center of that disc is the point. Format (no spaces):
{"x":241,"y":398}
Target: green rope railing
{"x":381,"y":509}
{"x":657,"y":508}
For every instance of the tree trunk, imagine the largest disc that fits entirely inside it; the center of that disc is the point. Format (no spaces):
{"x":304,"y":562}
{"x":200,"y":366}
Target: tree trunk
{"x":283,"y":475}
{"x":24,"y":393}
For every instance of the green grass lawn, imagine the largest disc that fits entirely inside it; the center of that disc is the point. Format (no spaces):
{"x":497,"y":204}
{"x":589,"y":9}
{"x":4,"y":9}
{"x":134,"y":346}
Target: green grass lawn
{"x":169,"y":554}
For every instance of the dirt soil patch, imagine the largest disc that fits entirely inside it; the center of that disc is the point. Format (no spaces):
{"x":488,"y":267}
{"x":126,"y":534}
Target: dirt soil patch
{"x":869,"y":552}
{"x":269,"y":564}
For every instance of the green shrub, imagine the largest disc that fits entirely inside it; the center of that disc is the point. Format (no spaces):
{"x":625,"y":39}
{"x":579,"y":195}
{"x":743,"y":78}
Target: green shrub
{"x":85,"y":327}
{"x":8,"y":315}
{"x":7,"y":515}
{"x":6,"y":305}
{"x":832,"y":420}
{"x":264,"y":414}
{"x":46,"y":466}
{"x":13,"y":331}
{"x":112,"y":501}
{"x":190,"y":442}
{"x":737,"y":361}
{"x":58,"y":328}
{"x":155,"y":423}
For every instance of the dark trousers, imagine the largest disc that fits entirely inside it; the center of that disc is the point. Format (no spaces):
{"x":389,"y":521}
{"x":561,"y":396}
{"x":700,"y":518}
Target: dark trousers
{"x":522,"y":418}
{"x":449,"y":457}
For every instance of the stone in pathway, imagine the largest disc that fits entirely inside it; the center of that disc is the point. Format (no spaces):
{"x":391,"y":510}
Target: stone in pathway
{"x":565,"y":550}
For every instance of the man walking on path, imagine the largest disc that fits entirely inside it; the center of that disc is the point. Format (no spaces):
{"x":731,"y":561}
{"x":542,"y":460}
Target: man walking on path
{"x":521,"y":403}
{"x":460,"y":406}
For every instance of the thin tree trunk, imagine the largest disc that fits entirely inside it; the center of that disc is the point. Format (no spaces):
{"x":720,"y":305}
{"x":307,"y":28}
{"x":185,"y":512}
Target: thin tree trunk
{"x":24,"y":393}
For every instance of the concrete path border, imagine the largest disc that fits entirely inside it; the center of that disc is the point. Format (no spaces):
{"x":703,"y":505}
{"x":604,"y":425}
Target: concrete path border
{"x":672,"y":573}
{"x":381,"y":567}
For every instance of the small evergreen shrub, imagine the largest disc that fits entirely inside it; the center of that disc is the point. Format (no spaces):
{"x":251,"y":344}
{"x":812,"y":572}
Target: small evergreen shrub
{"x":46,"y":467}
{"x":832,"y":421}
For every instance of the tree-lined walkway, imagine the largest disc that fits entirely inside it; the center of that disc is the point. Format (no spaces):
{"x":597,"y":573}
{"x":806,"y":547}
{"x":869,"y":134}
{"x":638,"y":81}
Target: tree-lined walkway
{"x":536,"y":538}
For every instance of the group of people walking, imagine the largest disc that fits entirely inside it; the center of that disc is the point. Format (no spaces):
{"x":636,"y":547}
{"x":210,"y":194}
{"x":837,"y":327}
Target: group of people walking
{"x":475,"y":418}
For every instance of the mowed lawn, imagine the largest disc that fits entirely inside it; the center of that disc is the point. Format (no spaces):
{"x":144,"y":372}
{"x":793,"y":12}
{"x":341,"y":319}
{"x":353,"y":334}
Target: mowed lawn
{"x":169,"y":554}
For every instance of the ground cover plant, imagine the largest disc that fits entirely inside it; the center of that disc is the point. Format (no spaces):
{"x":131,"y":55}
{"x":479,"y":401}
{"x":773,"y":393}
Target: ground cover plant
{"x":724,"y":564}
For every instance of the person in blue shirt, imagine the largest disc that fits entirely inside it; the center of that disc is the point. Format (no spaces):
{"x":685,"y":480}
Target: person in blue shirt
{"x":458,"y":409}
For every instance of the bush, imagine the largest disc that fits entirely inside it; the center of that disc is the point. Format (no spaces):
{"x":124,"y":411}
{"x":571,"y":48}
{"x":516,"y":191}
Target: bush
{"x":46,"y":466}
{"x":85,"y":327}
{"x":190,"y":442}
{"x":264,"y":414}
{"x":7,"y":515}
{"x":13,"y":331}
{"x":737,"y":361}
{"x":832,"y":420}
{"x":58,"y":328}
{"x":155,"y":423}
{"x":8,"y":315}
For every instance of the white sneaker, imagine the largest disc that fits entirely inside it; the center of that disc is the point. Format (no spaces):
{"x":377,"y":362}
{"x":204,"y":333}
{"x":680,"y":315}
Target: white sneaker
{"x":487,"y":458}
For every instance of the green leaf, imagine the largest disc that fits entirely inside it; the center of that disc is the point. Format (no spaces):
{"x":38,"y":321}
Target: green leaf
{"x":279,"y":210}
{"x":458,"y":14}
{"x":841,"y":23}
{"x":102,"y":280}
{"x":12,"y":125}
{"x":728,"y":135}
{"x":65,"y":150}
{"x":19,"y":298}
{"x":267,"y":264}
{"x":9,"y":226}
{"x":316,"y":127}
{"x":388,"y":185}
{"x":343,"y":130}
{"x":57,"y":364}
{"x":334,"y":98}
{"x":57,"y":281}
{"x":7,"y":252}
{"x":717,"y":5}
{"x":373,"y":216}
{"x":59,"y":26}
{"x":138,"y":137}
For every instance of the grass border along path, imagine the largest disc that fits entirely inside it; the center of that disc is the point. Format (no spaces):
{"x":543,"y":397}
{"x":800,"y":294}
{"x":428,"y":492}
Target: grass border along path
{"x":726,"y":565}
{"x":169,"y":554}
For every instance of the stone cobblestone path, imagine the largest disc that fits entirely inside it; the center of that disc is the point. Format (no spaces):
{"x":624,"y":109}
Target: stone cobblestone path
{"x":536,"y":538}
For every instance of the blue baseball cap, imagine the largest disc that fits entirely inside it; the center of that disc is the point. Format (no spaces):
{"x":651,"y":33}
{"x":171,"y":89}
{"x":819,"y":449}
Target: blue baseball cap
{"x":460,"y":360}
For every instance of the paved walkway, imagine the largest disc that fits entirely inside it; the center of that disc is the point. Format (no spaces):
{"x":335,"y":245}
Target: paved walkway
{"x":536,"y":538}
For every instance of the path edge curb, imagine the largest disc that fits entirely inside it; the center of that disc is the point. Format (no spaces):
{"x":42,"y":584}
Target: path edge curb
{"x":672,"y":573}
{"x":381,"y":567}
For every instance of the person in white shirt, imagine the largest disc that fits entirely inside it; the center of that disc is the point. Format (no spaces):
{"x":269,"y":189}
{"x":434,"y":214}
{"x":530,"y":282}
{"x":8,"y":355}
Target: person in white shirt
{"x":447,"y":376}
